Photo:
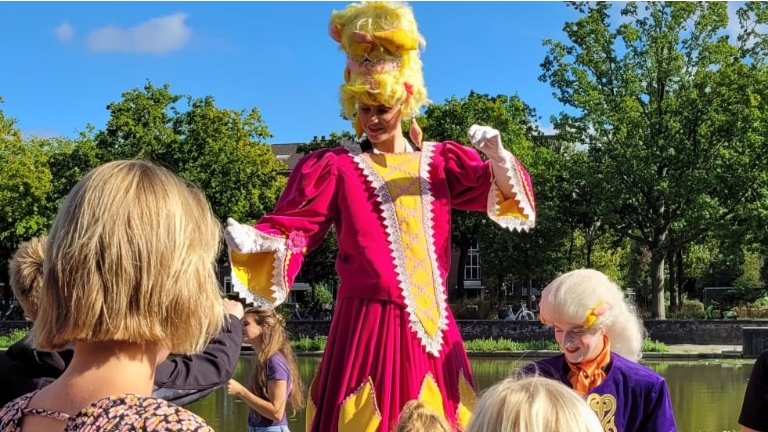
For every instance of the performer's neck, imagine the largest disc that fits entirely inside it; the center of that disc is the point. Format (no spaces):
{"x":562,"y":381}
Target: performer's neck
{"x":396,"y":144}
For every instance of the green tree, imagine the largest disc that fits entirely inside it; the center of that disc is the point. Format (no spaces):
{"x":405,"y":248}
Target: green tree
{"x":450,"y":121}
{"x":222,"y":151}
{"x":68,"y":161}
{"x":674,"y":115}
{"x":25,"y":183}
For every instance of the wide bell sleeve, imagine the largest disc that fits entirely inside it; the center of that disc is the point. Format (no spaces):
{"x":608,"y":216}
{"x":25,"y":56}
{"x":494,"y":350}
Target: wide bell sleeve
{"x":473,"y":187}
{"x":297,"y":225}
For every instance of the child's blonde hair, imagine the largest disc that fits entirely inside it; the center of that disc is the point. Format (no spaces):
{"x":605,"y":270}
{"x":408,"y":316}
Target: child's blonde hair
{"x":532,"y":404}
{"x":416,"y":417}
{"x":590,"y":297}
{"x":382,"y":43}
{"x":131,"y":257}
{"x":26,"y":274}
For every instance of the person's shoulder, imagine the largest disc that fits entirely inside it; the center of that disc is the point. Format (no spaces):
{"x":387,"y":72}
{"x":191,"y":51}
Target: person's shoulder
{"x":278,"y":358}
{"x":142,"y":414}
{"x":762,"y":359}
{"x":324,"y":160}
{"x":12,"y":412}
{"x":168,"y":416}
{"x":549,"y":367}
{"x":636,"y":372}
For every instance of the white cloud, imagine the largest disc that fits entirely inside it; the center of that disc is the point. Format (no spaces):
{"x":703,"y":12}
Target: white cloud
{"x":157,"y":36}
{"x":65,"y":32}
{"x":40,"y":133}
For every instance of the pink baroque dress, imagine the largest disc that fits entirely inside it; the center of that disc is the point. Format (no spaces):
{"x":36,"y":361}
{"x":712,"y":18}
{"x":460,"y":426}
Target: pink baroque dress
{"x":393,"y":337}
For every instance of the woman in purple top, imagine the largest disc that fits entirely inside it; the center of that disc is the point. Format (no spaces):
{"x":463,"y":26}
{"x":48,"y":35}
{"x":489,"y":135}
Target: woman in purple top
{"x":275,"y":382}
{"x":601,"y":338}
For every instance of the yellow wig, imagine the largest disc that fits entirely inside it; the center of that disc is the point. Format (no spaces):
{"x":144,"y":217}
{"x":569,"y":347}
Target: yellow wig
{"x":382,"y":42}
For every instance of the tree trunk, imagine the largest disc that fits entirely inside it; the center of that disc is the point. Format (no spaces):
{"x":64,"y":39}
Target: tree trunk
{"x":680,"y":278}
{"x":672,"y":282}
{"x":590,"y":243}
{"x":657,"y":283}
{"x":570,"y":248}
{"x":463,"y":252}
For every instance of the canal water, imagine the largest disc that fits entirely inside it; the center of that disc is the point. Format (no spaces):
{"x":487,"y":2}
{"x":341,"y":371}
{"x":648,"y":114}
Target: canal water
{"x":706,"y":395}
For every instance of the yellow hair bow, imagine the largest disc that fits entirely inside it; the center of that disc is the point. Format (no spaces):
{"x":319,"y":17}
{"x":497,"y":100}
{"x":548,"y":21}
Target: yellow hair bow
{"x":395,"y":40}
{"x":595,"y":313}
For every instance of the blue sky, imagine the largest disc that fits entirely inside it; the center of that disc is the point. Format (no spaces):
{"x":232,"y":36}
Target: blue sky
{"x":64,"y":62}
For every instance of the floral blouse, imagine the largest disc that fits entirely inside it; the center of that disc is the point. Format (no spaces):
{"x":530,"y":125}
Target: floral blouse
{"x":124,"y":413}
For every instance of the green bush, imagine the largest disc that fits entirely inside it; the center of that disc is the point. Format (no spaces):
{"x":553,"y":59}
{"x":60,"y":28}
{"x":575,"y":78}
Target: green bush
{"x":692,"y":309}
{"x":488,"y":345}
{"x":654,"y":346}
{"x":323,"y":295}
{"x":306,"y":343}
{"x":12,"y":338}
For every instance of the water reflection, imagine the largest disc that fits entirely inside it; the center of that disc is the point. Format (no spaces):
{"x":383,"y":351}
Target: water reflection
{"x":706,"y":396}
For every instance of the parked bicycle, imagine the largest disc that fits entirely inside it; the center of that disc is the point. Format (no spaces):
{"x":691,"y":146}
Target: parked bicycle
{"x":521,"y":313}
{"x":13,"y":313}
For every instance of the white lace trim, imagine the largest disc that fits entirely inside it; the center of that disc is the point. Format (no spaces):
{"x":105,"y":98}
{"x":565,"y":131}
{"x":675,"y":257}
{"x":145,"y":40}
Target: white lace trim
{"x":279,"y":246}
{"x":518,"y":187}
{"x":391,"y":226}
{"x":434,"y":344}
{"x":368,"y":381}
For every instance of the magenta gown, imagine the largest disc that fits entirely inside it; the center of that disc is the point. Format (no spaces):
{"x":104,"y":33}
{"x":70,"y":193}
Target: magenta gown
{"x":393,"y":337}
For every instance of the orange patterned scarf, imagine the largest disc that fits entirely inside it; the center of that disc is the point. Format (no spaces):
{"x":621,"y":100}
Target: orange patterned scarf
{"x":587,"y":375}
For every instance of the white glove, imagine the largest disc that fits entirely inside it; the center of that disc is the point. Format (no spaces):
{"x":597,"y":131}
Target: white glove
{"x":241,"y":238}
{"x":487,"y":140}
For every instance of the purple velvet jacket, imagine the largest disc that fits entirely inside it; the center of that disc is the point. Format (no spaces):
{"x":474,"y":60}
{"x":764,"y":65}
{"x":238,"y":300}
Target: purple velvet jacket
{"x":632,"y":398}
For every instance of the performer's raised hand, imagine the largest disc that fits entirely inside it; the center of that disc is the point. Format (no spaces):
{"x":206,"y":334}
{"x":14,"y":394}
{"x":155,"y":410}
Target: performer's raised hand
{"x":486,"y":139}
{"x":239,"y":237}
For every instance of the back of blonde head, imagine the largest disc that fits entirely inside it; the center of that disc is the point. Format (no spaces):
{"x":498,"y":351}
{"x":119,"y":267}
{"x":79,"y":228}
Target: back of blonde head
{"x":570,"y":297}
{"x":532,"y":404}
{"x":416,"y":417}
{"x":26,"y":274}
{"x":131,"y":257}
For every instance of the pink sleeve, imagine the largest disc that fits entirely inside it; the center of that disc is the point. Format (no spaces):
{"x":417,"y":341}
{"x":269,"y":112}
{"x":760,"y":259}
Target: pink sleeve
{"x":468,"y":176}
{"x":297,"y":225}
{"x":472,"y":187}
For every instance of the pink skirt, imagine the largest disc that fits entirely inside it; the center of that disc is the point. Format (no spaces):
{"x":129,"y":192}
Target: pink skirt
{"x":373,"y":364}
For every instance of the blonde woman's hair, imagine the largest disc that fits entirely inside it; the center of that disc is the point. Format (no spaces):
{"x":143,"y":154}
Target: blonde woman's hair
{"x":416,"y":417}
{"x":532,"y":404}
{"x":571,"y":297}
{"x":274,"y":339}
{"x":26,"y":274}
{"x":387,"y":87}
{"x":131,"y":257}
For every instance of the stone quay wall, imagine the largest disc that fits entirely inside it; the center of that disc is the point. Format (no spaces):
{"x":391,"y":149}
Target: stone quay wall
{"x":696,"y":332}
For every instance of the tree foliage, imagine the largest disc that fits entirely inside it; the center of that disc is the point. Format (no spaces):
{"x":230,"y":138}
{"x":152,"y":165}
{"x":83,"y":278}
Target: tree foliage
{"x":674,"y":115}
{"x":25,"y":184}
{"x":222,"y":151}
{"x":521,"y":255}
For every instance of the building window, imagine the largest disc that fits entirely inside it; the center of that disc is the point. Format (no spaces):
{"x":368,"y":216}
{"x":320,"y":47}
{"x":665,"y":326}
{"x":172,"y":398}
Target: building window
{"x":472,"y":265}
{"x":227,"y":284}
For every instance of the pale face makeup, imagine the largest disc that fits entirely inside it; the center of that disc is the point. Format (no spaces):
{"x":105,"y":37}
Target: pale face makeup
{"x":577,"y":343}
